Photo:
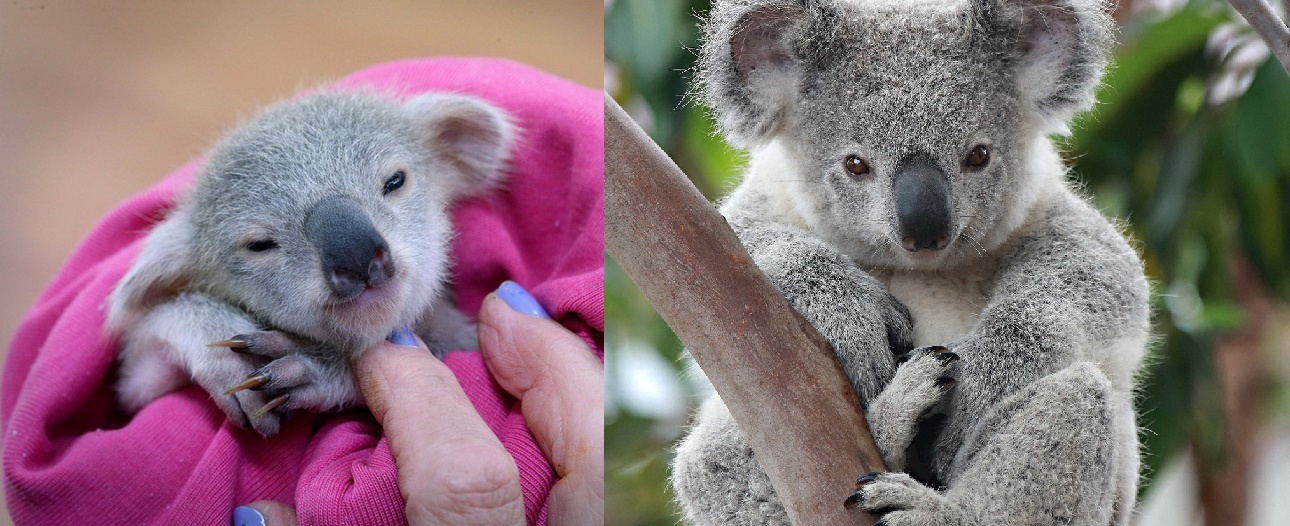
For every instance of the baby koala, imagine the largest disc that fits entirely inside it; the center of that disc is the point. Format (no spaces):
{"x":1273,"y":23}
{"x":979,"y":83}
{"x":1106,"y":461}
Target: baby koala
{"x":312,"y":232}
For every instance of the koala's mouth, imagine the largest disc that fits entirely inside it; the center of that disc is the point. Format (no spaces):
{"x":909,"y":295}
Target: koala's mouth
{"x":365,"y":298}
{"x":367,"y":295}
{"x":915,"y":245}
{"x":925,"y":249}
{"x":367,"y":313}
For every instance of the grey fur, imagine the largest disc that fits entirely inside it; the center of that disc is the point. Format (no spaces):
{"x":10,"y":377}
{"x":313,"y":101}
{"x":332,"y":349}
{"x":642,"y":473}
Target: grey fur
{"x":1041,"y":297}
{"x":197,"y":280}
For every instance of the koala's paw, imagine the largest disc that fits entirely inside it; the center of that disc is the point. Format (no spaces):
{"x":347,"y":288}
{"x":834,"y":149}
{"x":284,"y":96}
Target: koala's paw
{"x":281,"y":374}
{"x":922,"y":379}
{"x":902,"y":501}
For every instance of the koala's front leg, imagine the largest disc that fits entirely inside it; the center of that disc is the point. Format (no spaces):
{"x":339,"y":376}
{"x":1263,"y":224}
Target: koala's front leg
{"x":293,"y":373}
{"x":921,"y":381}
{"x":716,"y":476}
{"x":1046,"y":454}
{"x":169,"y":347}
{"x":866,"y":325}
{"x":1071,"y":290}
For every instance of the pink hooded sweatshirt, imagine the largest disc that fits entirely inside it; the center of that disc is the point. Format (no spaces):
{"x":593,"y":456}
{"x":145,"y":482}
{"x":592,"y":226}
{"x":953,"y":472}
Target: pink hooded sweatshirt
{"x":72,"y":457}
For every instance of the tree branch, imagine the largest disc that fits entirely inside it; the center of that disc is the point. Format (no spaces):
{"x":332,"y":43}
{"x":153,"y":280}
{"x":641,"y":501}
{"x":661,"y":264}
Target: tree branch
{"x":1273,"y":30}
{"x":777,"y":375}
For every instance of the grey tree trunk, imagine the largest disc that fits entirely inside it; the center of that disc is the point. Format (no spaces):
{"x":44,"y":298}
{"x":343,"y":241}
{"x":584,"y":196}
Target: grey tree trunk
{"x":778,"y":376}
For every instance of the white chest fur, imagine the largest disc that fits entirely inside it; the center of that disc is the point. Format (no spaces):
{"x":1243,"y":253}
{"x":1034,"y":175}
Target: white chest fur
{"x":944,"y":305}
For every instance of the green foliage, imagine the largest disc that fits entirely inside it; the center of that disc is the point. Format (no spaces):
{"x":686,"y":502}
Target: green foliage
{"x":1200,"y":185}
{"x":1196,"y":184}
{"x":651,"y":43}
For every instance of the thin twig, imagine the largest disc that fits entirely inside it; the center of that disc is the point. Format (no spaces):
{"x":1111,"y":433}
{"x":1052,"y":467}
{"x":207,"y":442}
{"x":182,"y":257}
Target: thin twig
{"x":1273,"y":30}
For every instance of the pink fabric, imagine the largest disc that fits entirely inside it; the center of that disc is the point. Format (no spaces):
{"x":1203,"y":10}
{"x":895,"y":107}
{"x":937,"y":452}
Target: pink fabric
{"x":71,"y":458}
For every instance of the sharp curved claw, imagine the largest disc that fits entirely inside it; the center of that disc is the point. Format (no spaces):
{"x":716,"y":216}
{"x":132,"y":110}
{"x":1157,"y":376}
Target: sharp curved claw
{"x":273,"y":404}
{"x":853,"y":501}
{"x":254,"y":382}
{"x":236,"y":343}
{"x":866,"y":478}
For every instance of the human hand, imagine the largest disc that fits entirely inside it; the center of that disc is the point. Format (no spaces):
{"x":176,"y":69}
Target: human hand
{"x":452,"y":469}
{"x":561,"y":385}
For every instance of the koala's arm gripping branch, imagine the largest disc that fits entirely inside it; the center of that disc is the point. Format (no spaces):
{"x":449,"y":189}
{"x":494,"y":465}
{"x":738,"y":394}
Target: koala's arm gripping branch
{"x":776,"y":374}
{"x":1273,"y":30}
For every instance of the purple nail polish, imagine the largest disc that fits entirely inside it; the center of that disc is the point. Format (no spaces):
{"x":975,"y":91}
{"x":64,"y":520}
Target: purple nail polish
{"x":247,"y":516}
{"x":519,"y":299}
{"x":403,"y":337}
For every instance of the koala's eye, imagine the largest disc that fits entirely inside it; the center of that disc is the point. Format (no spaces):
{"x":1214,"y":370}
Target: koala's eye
{"x":856,"y":166}
{"x":394,"y":182}
{"x":977,"y":158}
{"x":262,"y":245}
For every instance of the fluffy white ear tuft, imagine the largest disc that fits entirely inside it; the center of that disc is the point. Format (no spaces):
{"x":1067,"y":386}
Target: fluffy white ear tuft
{"x":748,"y":65}
{"x":1064,"y":46}
{"x":162,"y":270}
{"x":472,"y":136}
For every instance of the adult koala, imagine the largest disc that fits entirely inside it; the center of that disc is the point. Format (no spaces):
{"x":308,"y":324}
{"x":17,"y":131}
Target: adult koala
{"x":902,"y":192}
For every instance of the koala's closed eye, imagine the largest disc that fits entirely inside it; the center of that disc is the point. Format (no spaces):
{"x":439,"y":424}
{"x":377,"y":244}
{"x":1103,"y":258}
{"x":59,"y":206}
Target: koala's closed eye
{"x":394,"y":182}
{"x":261,"y":245}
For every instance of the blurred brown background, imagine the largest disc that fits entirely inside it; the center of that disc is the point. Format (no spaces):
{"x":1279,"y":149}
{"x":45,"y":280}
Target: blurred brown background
{"x":98,"y":102}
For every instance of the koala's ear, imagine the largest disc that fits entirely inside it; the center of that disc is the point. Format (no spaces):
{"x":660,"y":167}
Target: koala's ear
{"x":748,"y":67}
{"x":162,"y":270}
{"x":472,"y":136}
{"x":1064,"y":47}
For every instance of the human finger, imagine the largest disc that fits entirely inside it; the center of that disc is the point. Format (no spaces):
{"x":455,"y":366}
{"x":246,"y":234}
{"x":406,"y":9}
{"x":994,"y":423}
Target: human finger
{"x":560,"y":383}
{"x":264,"y":513}
{"x":452,"y":468}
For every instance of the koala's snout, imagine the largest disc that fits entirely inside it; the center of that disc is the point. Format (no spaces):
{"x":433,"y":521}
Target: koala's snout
{"x":353,"y":254}
{"x":922,"y":197}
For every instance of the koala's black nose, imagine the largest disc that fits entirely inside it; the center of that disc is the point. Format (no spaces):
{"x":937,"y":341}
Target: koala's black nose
{"x":353,"y":254}
{"x":922,"y":196}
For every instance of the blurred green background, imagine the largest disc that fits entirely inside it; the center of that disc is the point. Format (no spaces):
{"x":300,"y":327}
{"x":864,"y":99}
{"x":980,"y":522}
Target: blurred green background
{"x":1189,"y":147}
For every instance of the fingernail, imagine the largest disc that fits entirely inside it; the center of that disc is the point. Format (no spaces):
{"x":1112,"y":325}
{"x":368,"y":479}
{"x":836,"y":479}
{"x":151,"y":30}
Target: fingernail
{"x":519,"y":299}
{"x":403,"y":337}
{"x":247,"y":516}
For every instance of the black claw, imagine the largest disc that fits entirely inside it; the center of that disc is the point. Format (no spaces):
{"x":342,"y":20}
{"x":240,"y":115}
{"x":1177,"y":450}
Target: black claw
{"x":904,"y":357}
{"x":946,"y":382}
{"x":867,"y":478}
{"x":938,"y":349}
{"x":881,"y":522}
{"x":947,"y":358}
{"x":853,"y":501}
